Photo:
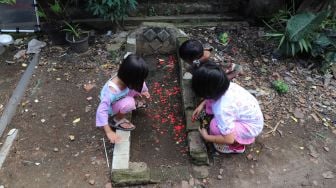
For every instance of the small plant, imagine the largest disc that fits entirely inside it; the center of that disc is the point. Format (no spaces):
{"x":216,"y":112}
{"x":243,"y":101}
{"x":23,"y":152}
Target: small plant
{"x":151,"y":11}
{"x":168,"y":12}
{"x":10,"y":2}
{"x":74,"y":30}
{"x":178,"y":10}
{"x":224,"y":38}
{"x":280,"y":86}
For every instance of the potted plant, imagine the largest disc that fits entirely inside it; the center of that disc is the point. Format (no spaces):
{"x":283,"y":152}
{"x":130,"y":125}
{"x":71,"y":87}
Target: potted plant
{"x":77,"y":38}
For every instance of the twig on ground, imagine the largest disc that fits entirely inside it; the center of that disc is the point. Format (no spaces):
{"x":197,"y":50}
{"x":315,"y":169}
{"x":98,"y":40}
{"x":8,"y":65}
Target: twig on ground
{"x":107,"y":161}
{"x":274,"y":129}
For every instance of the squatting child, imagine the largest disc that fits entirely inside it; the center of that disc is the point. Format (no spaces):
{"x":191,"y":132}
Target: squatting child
{"x":193,"y":52}
{"x":118,"y":96}
{"x":237,"y":116}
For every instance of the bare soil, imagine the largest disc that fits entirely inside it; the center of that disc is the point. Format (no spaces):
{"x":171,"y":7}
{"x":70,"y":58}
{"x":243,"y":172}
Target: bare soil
{"x":300,"y":153}
{"x":10,"y":74}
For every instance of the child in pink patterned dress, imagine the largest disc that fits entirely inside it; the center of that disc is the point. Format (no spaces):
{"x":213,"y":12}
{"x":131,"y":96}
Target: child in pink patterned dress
{"x":237,"y":115}
{"x":118,"y":96}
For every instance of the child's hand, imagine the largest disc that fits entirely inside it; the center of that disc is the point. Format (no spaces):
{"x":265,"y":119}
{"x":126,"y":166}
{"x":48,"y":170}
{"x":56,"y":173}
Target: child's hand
{"x":197,"y":112}
{"x":203,"y":132}
{"x":145,"y":94}
{"x":113,"y":137}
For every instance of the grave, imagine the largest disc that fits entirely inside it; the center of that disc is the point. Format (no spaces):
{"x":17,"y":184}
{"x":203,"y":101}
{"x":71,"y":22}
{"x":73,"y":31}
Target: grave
{"x":161,"y":148}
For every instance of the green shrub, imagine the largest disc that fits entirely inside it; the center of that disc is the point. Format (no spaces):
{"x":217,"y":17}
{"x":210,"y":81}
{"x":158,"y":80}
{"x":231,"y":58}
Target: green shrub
{"x":10,"y":2}
{"x":114,"y":10}
{"x":280,"y":86}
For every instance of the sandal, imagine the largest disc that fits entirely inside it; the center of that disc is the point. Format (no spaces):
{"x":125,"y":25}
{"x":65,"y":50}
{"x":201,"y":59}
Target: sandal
{"x":118,"y":124}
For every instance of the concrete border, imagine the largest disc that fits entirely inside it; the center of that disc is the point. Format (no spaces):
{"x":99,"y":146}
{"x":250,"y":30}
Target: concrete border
{"x":16,"y":97}
{"x":7,"y":145}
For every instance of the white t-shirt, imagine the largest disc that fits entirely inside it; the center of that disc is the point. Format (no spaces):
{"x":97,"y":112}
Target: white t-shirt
{"x":237,"y":105}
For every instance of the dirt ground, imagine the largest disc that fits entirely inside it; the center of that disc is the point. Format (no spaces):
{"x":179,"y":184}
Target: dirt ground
{"x":57,"y":149}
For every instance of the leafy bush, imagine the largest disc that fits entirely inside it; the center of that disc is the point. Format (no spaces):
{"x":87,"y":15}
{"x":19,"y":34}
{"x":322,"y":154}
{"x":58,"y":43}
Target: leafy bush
{"x":55,"y":12}
{"x":314,"y":34}
{"x":299,"y":33}
{"x":10,"y":2}
{"x":280,"y":86}
{"x":114,"y":10}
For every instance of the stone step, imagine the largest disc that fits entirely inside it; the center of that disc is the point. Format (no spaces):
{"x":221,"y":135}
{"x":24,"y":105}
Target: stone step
{"x":121,"y":151}
{"x":184,"y":20}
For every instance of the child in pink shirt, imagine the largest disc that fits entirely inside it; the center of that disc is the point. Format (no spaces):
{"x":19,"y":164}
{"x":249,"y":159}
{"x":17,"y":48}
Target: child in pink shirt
{"x":117,"y":97}
{"x":237,"y":115}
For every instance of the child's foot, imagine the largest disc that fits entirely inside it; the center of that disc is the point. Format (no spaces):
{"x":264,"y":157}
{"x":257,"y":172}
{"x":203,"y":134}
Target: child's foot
{"x":122,"y":124}
{"x":224,"y":148}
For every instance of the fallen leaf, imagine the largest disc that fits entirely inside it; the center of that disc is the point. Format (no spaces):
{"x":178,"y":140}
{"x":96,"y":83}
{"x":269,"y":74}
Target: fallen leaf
{"x":298,"y":113}
{"x":328,"y":175}
{"x":315,"y":117}
{"x":294,"y":119}
{"x":249,"y":156}
{"x":326,"y":149}
{"x":76,"y":120}
{"x":267,"y":117}
{"x":88,"y":87}
{"x":92,"y":182}
{"x":72,"y":137}
{"x":108,"y":185}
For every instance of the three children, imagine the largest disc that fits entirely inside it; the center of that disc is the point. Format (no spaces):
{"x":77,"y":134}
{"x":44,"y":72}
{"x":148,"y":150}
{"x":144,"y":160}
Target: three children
{"x":237,"y":115}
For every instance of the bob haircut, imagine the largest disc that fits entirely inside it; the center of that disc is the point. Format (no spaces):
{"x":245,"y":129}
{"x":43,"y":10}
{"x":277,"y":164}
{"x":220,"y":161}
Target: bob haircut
{"x":209,"y":81}
{"x":133,"y":71}
{"x":191,"y":50}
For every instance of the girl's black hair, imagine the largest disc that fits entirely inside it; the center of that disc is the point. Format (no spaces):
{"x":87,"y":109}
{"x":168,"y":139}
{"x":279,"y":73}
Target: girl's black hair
{"x":209,"y":81}
{"x":133,"y":71}
{"x":191,"y":50}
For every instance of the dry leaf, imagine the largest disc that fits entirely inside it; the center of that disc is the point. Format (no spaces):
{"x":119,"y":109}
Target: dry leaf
{"x":76,"y":120}
{"x":328,"y":175}
{"x":294,"y":119}
{"x":88,"y":87}
{"x":72,"y":137}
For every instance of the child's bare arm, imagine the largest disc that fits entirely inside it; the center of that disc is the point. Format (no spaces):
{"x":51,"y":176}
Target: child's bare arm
{"x":111,"y":135}
{"x":218,"y":139}
{"x":198,"y":110}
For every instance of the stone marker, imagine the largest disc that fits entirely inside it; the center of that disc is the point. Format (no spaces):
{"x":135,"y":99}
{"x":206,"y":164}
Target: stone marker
{"x":137,"y":174}
{"x":197,"y":149}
